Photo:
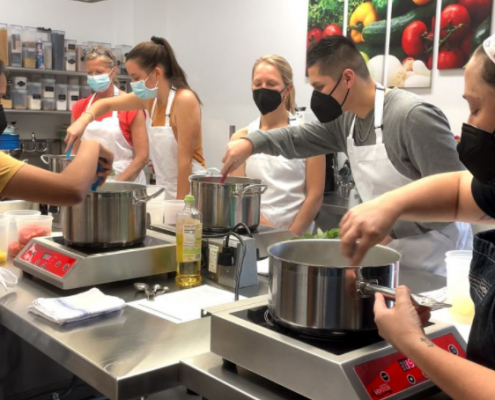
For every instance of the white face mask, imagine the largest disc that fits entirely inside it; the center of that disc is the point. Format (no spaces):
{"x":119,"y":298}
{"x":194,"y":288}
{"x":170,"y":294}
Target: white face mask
{"x":140,"y":90}
{"x":7,"y":278}
{"x":99,"y":83}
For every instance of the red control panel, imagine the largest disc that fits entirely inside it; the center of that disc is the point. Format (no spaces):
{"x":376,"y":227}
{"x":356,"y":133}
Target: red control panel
{"x":47,"y":259}
{"x":395,"y":373}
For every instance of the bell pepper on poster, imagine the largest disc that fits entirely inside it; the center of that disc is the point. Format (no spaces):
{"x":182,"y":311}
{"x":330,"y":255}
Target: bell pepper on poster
{"x":362,"y":16}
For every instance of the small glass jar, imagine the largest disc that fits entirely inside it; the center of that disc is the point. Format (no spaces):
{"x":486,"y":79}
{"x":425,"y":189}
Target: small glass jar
{"x":47,"y":54}
{"x":48,"y":104}
{"x":29,"y":57}
{"x":34,"y":96}
{"x":70,"y":61}
{"x":15,"y":46}
{"x":61,"y":97}
{"x":20,"y":82}
{"x":72,"y":95}
{"x":70,"y":45}
{"x":19,"y":99}
{"x":48,"y":88}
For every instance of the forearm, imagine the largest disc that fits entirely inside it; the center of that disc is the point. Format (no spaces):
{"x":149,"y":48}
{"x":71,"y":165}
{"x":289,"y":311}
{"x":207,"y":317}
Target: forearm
{"x":133,"y":170}
{"x":459,"y":378}
{"x":306,"y":215}
{"x":185,"y":171}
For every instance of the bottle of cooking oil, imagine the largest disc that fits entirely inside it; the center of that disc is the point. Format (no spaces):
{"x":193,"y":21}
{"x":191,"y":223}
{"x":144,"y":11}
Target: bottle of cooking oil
{"x":189,"y":229}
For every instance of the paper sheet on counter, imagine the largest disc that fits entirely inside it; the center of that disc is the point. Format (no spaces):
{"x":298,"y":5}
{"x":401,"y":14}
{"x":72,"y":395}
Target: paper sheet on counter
{"x":185,"y":305}
{"x":263,"y":267}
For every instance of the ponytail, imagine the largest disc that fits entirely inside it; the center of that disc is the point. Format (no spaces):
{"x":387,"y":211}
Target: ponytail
{"x":158,"y":52}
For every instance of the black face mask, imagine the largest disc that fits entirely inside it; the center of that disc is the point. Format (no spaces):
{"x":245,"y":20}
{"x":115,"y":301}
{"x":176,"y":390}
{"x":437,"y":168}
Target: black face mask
{"x":267,"y":100}
{"x":477,"y":152}
{"x":325,"y":107}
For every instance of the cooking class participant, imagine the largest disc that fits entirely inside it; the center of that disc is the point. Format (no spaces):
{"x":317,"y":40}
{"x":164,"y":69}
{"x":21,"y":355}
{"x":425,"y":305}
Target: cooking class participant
{"x":25,"y":182}
{"x":462,"y":196}
{"x":3,"y":90}
{"x":295,"y":187}
{"x":124,"y":132}
{"x":174,"y":115}
{"x":391,"y":137}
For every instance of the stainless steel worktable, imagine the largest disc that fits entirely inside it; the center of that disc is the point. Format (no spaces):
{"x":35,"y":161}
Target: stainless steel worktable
{"x":131,"y":353}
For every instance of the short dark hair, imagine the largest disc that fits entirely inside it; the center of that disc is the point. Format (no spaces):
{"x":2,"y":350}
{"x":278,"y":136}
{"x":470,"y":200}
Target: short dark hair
{"x":488,"y":67}
{"x":334,"y":54}
{"x":2,"y":68}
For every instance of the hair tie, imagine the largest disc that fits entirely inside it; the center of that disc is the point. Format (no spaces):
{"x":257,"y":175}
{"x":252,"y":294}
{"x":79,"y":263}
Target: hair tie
{"x":156,"y":41}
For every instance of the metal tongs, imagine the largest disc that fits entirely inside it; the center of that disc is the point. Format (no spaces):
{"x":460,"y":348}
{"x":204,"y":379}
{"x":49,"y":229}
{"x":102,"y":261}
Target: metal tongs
{"x":153,"y":292}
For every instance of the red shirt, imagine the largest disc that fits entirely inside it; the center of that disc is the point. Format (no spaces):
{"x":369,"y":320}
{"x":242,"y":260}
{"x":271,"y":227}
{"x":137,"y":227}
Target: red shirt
{"x":125,"y":117}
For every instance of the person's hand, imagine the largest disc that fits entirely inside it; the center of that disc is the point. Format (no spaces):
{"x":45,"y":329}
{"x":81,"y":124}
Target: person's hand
{"x":404,"y":320}
{"x":365,"y":226}
{"x":106,"y":162}
{"x":76,"y":130}
{"x":238,"y":151}
{"x":388,"y":239}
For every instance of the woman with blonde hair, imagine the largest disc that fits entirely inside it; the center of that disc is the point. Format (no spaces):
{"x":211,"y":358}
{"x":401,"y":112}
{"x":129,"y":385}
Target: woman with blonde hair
{"x":123,"y":132}
{"x":295,"y":187}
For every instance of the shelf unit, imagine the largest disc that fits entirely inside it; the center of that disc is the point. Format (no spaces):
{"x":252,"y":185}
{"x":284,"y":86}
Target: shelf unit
{"x":44,"y":112}
{"x":54,"y":72}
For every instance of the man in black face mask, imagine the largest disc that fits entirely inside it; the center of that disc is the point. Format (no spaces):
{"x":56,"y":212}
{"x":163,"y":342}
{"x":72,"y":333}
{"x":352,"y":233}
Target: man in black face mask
{"x":3,"y":90}
{"x":391,"y":137}
{"x":463,"y":196}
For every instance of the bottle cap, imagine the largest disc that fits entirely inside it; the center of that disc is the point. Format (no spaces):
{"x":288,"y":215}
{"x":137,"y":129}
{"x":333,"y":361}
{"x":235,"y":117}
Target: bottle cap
{"x":189,"y":199}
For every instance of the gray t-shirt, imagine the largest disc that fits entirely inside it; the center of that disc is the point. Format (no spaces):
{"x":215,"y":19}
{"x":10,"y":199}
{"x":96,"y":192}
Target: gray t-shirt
{"x":416,"y":136}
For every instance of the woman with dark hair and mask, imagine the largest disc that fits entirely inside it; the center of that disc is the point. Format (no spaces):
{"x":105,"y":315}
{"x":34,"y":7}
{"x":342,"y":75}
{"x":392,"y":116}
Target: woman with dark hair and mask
{"x":160,"y":87}
{"x":295,"y":187}
{"x":460,"y":196}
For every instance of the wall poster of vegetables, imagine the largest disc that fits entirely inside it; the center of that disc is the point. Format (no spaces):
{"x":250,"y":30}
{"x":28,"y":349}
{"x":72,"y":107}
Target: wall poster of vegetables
{"x":367,"y":27}
{"x":464,"y":25}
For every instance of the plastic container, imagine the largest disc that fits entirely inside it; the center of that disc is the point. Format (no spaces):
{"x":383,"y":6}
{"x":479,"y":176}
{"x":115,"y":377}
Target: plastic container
{"x":15,"y":32}
{"x":4,"y":230}
{"x":72,"y":95}
{"x":32,"y":226}
{"x":156,"y":212}
{"x":19,"y":99}
{"x":70,"y":45}
{"x":80,"y":53}
{"x":29,"y":57}
{"x":48,"y":104}
{"x":6,"y":100}
{"x":61,"y":97}
{"x":48,"y":54}
{"x":43,"y":35}
{"x":48,"y":88}
{"x":4,"y":43}
{"x":58,"y":53}
{"x":34,"y":96}
{"x":9,"y":141}
{"x":118,"y":56}
{"x":85,"y":91}
{"x":29,"y":37}
{"x":70,"y":61}
{"x":20,"y":82}
{"x":458,"y":291}
{"x":125,"y":50}
{"x":12,"y":241}
{"x":170,"y":210}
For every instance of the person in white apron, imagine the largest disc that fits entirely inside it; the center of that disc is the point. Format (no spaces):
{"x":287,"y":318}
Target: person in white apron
{"x":295,"y":187}
{"x":160,"y":87}
{"x":129,"y":163}
{"x":375,"y":175}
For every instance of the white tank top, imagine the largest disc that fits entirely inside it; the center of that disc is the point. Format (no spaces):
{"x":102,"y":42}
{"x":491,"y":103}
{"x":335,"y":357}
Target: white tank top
{"x":286,"y":181}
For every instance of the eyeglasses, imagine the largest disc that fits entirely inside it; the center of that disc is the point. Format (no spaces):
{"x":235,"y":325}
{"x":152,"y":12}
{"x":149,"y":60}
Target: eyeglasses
{"x":101,"y":52}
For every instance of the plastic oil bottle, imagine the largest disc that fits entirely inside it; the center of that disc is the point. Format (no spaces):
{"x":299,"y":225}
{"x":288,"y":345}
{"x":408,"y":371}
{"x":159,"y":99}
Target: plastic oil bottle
{"x":189,"y":230}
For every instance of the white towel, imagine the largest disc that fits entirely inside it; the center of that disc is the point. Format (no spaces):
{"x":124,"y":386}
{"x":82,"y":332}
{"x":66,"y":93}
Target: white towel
{"x":79,"y":307}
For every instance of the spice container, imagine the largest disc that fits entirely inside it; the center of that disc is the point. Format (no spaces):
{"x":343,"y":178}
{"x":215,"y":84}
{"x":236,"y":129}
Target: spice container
{"x":85,"y":92}
{"x":15,"y":45}
{"x":72,"y":95}
{"x":70,"y":61}
{"x":29,"y":57}
{"x":125,"y":50}
{"x":61,"y":97}
{"x":70,"y":45}
{"x":4,"y":44}
{"x":48,"y":88}
{"x":20,"y":82}
{"x":19,"y":99}
{"x":80,"y":53}
{"x":58,"y":50}
{"x":47,"y":54}
{"x":29,"y":37}
{"x":48,"y":104}
{"x":34,"y":96}
{"x":6,"y":100}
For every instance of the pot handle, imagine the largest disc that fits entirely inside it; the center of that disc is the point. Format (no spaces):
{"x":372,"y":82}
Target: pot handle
{"x":147,"y":198}
{"x":368,"y":289}
{"x":249,"y":190}
{"x":44,"y":158}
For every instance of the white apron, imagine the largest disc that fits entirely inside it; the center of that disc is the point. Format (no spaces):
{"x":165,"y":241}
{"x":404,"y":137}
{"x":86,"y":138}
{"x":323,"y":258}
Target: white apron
{"x":109,"y":134}
{"x":286,"y":181}
{"x":164,"y":149}
{"x":375,"y":175}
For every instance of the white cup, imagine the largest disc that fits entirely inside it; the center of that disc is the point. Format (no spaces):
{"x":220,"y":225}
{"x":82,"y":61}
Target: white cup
{"x":458,"y":264}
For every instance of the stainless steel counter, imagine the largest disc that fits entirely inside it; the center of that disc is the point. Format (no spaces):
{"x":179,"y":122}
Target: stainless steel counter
{"x":334,"y":204}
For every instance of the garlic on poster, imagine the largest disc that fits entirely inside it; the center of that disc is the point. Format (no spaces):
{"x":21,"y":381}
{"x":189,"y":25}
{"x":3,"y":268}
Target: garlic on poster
{"x":375,"y":66}
{"x":408,"y":64}
{"x":420,"y":68}
{"x":397,"y":74}
{"x":417,"y":81}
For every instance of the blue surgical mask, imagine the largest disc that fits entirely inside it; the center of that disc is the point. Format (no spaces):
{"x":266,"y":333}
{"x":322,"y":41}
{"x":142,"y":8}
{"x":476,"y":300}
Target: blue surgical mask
{"x":140,"y":90}
{"x":99,"y":83}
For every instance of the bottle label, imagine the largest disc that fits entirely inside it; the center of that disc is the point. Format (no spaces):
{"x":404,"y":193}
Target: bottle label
{"x":192,"y":243}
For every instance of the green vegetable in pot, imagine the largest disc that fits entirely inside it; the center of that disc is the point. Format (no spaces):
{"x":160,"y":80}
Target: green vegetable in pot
{"x":331,"y":234}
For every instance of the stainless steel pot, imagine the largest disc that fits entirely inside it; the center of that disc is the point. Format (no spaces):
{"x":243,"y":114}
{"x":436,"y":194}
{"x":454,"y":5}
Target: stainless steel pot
{"x":56,"y":163}
{"x":112,"y":216}
{"x":224,"y":205}
{"x":311,"y":289}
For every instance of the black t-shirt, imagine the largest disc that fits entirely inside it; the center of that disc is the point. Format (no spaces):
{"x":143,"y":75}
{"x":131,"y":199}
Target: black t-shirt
{"x":484,"y":195}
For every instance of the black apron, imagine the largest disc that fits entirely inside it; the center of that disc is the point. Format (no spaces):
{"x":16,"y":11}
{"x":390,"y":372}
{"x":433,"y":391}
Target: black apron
{"x":481,"y":345}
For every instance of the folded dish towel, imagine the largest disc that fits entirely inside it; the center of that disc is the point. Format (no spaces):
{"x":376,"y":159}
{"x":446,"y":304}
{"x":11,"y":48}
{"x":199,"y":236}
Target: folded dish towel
{"x":79,"y":307}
